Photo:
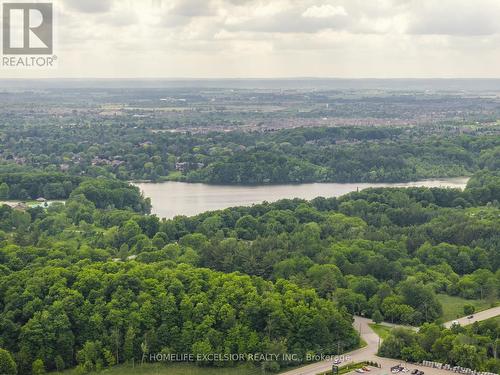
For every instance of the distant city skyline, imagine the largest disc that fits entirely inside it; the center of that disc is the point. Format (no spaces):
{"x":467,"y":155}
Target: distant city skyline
{"x":278,"y":38}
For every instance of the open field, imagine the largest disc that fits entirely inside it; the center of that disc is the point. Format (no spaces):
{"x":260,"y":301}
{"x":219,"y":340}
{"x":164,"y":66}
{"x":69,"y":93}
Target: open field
{"x":453,"y":307}
{"x":381,"y":330}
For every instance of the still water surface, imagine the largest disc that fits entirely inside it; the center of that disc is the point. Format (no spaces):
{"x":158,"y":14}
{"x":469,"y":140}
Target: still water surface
{"x":180,"y":198}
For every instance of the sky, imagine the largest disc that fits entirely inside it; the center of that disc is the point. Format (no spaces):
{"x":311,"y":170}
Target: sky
{"x":274,"y":38}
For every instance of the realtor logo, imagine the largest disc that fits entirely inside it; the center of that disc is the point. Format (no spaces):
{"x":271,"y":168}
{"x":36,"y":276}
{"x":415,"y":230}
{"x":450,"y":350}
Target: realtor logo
{"x":27,"y":29}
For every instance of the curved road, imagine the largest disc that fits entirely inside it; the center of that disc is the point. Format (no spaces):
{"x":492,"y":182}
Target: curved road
{"x":369,"y":352}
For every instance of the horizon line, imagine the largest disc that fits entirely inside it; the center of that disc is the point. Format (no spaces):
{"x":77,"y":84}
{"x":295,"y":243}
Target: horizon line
{"x":246,"y":78}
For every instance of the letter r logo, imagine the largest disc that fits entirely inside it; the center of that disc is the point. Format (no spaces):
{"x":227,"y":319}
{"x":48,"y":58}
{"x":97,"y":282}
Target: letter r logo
{"x":27,"y":29}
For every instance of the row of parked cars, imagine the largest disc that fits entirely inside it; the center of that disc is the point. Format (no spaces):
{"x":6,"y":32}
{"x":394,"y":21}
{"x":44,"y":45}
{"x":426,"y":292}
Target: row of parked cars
{"x":395,"y":370}
{"x":399,"y":368}
{"x":457,"y":369}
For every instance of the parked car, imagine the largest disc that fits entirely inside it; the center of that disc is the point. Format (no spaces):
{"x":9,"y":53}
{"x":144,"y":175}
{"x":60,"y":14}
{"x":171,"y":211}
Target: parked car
{"x":360,"y":370}
{"x":414,"y":372}
{"x":396,"y":369}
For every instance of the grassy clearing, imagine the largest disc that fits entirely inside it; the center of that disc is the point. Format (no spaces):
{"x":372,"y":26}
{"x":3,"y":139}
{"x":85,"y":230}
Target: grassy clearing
{"x":381,"y":330}
{"x":172,"y":369}
{"x":453,"y":307}
{"x":348,"y":368}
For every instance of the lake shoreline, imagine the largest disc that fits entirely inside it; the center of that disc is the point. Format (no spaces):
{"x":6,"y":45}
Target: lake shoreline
{"x":170,"y":199}
{"x":161,"y":181}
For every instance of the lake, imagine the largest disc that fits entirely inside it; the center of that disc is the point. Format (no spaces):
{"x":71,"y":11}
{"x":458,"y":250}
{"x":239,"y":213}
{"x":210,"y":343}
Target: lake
{"x":181,"y":198}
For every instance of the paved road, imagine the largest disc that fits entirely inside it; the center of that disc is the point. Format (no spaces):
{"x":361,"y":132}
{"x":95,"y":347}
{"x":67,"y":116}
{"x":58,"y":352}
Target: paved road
{"x":373,"y":342}
{"x":463,"y":321}
{"x":368,"y":352}
{"x":482,"y":315}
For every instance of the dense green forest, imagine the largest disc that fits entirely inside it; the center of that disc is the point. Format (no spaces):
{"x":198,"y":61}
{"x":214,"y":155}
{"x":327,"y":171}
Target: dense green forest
{"x":67,"y":297}
{"x":107,"y":283}
{"x":136,"y":151}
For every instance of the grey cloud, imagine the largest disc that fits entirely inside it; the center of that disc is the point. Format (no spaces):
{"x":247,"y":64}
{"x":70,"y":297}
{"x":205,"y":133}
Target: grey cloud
{"x":185,"y":11}
{"x":89,"y":6}
{"x":456,"y":18}
{"x":291,"y":22}
{"x":173,"y":21}
{"x":193,"y":8}
{"x":239,"y":2}
{"x":119,"y":19}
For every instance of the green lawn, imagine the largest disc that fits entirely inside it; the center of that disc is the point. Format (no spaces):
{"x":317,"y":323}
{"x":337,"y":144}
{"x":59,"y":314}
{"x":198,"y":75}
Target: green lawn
{"x":348,"y":368}
{"x":381,"y":330}
{"x":173,"y":369}
{"x":453,"y":307}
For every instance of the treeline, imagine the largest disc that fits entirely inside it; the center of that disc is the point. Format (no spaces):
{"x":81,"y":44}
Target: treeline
{"x":356,"y":161}
{"x":33,"y":185}
{"x":107,"y":193}
{"x":343,"y":154}
{"x":97,"y":315}
{"x":102,"y":192}
{"x":474,"y":346}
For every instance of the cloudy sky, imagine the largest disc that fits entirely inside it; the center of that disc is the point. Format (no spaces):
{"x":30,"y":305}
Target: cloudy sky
{"x":275,"y":38}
